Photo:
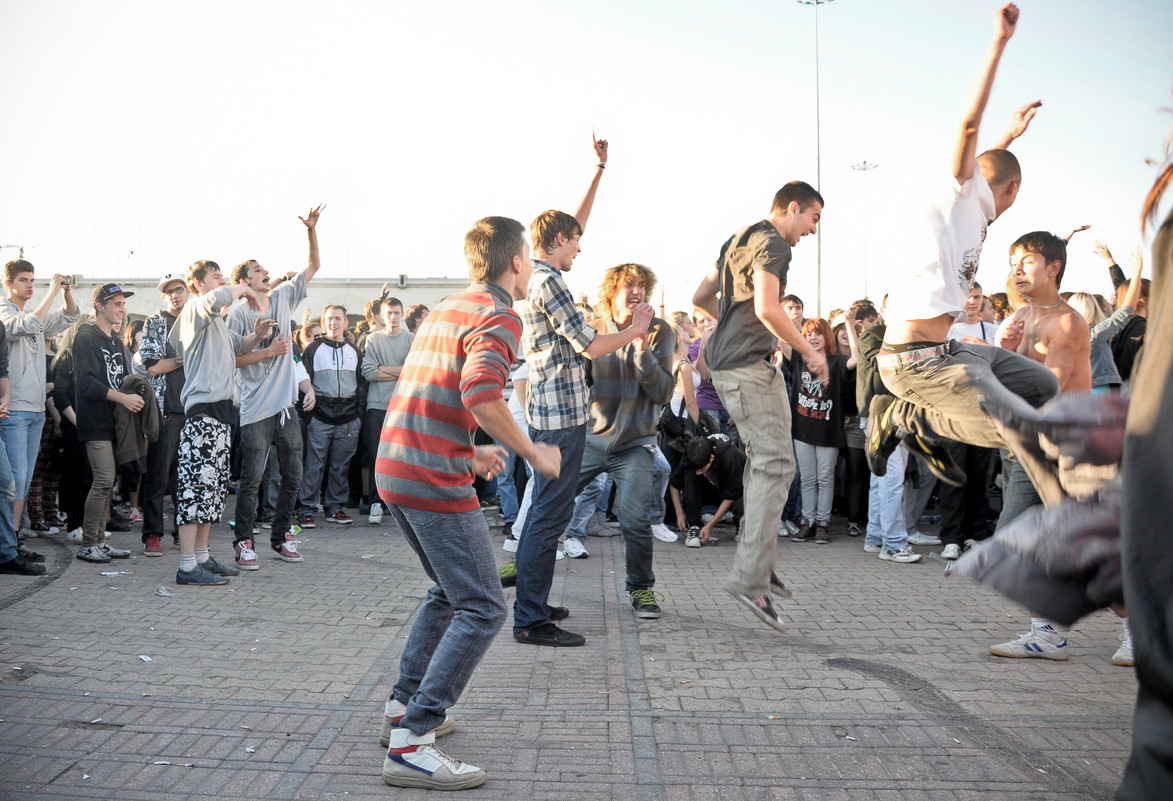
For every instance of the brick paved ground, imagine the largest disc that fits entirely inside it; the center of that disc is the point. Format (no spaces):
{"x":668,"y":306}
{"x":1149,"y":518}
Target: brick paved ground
{"x":273,"y":686}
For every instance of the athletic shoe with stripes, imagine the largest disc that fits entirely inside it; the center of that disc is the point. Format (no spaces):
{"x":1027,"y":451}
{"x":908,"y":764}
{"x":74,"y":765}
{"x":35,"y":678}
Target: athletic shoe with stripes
{"x":1031,"y":646}
{"x":415,"y":761}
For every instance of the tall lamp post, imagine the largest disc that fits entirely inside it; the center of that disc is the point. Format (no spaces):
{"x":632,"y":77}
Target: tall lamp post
{"x":818,"y":160}
{"x":865,"y":166}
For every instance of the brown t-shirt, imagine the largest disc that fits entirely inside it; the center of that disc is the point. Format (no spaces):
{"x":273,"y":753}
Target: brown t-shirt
{"x":740,"y":338}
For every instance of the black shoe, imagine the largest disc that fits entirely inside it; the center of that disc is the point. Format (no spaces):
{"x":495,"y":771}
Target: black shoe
{"x":763,"y":608}
{"x":212,"y":566}
{"x":31,"y":556}
{"x":117,"y":525}
{"x":778,"y":588}
{"x":644,"y":603}
{"x":507,"y":530}
{"x":22,"y":567}
{"x":822,"y":534}
{"x":883,"y":435}
{"x":549,"y":634}
{"x":936,"y":458}
{"x":199,"y":576}
{"x":804,"y":533}
{"x":559,"y":613}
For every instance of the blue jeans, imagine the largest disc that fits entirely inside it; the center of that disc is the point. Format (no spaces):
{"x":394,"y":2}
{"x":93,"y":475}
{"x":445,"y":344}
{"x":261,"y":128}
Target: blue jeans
{"x":283,"y":432}
{"x":553,"y":501}
{"x":459,"y":617}
{"x":9,"y":546}
{"x":629,"y":470}
{"x":507,"y":488}
{"x":22,"y":439}
{"x":886,"y":504}
{"x":661,"y":472}
{"x":325,"y":444}
{"x":1018,"y":494}
{"x":587,"y":503}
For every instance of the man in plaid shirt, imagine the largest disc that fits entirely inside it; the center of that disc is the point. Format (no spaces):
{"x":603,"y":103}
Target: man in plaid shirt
{"x":556,"y":341}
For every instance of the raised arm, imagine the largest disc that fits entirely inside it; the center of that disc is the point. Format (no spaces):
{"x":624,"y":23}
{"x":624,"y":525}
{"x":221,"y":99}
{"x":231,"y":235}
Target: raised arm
{"x":1132,"y":296}
{"x":311,"y":223}
{"x":1114,"y":271}
{"x":584,"y":208}
{"x":966,"y":154}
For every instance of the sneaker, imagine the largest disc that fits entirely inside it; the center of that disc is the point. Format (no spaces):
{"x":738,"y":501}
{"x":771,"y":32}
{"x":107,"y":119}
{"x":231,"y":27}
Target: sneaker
{"x":559,"y":555}
{"x":692,"y":539}
{"x":376,"y":515}
{"x":31,"y":556}
{"x":75,"y":535}
{"x":153,"y":546}
{"x":507,"y":529}
{"x":663,"y":533}
{"x":822,"y":534}
{"x":116,"y":553}
{"x":42,"y":527}
{"x":364,"y":508}
{"x":287,"y":550}
{"x":598,"y":526}
{"x":1123,"y":656}
{"x":951,"y":551}
{"x":415,"y":761}
{"x":575,"y":549}
{"x":763,"y":607}
{"x":904,"y":556}
{"x":707,"y":518}
{"x":936,"y":458}
{"x":393,"y":713}
{"x":872,"y":547}
{"x":93,"y":554}
{"x":212,"y":566}
{"x":246,"y":557}
{"x":883,"y":435}
{"x":510,"y":544}
{"x":644,"y":602}
{"x":136,"y":515}
{"x":804,"y":533}
{"x":508,"y":574}
{"x":266,"y":523}
{"x":307,"y":521}
{"x":340,"y":517}
{"x":778,"y":588}
{"x":1031,"y":646}
{"x":58,"y":518}
{"x":917,"y":538}
{"x":549,"y":634}
{"x":791,"y":528}
{"x":854,"y":530}
{"x":117,"y":525}
{"x":22,"y":567}
{"x":491,"y":503}
{"x":199,"y":575}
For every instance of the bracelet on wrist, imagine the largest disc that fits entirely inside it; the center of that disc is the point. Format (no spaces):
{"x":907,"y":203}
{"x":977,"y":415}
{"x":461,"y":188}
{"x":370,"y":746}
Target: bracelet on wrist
{"x":601,"y":165}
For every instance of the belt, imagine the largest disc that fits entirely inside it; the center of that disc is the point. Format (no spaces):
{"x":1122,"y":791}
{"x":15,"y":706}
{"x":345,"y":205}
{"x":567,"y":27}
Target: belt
{"x":891,"y":361}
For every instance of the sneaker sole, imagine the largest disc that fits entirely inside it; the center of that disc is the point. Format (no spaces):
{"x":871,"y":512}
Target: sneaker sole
{"x":202,"y":583}
{"x":418,"y":780}
{"x":152,"y":553}
{"x":1123,"y":662}
{"x":551,"y":643}
{"x":253,"y":566}
{"x":1062,"y":657}
{"x":644,"y":614}
{"x":696,"y":544}
{"x":772,"y":622}
{"x":288,"y":558}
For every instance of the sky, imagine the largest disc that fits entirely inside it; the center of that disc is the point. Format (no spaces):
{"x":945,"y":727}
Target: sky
{"x":141,"y":136}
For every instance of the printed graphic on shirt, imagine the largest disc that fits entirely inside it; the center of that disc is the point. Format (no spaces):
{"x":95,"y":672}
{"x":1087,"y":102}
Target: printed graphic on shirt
{"x":811,"y":402}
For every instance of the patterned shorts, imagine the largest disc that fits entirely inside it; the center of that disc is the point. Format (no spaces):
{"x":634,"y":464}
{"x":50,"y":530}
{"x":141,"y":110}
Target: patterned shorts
{"x":204,"y":447}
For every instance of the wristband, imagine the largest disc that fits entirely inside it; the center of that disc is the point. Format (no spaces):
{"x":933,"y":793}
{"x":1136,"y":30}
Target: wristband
{"x":601,"y":166}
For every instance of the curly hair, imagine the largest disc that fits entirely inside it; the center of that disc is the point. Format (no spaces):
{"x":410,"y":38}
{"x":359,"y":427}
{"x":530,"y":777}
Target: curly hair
{"x":615,"y":278}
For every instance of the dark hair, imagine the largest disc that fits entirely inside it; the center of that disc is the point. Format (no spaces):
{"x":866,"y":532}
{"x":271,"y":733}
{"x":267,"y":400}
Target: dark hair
{"x":391,"y":301}
{"x":415,"y":314}
{"x":132,"y":328}
{"x":198,"y":272}
{"x":546,"y":226}
{"x":1046,"y":244}
{"x":792,"y":299}
{"x":698,"y":452}
{"x":371,"y":310}
{"x":240,"y":271}
{"x":1001,"y":303}
{"x":16,"y":267}
{"x":1003,"y":166}
{"x":490,"y":247}
{"x":798,"y":192}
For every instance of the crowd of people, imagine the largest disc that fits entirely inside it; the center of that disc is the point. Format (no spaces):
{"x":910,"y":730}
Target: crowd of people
{"x":742,"y":409}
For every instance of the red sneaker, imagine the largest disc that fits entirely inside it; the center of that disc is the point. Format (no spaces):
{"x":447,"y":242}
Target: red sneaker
{"x":153,"y":546}
{"x":287,"y":551}
{"x":246,"y":557}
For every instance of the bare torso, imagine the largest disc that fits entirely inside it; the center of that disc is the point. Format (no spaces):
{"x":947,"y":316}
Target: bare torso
{"x":1057,"y":337}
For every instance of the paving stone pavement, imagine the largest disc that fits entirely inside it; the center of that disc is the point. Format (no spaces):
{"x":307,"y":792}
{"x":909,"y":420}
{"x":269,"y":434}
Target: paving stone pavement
{"x":273,"y":687}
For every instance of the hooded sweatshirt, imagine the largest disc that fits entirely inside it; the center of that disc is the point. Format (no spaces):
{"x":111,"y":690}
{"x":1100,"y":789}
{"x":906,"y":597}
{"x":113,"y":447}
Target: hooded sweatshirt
{"x":334,"y":368}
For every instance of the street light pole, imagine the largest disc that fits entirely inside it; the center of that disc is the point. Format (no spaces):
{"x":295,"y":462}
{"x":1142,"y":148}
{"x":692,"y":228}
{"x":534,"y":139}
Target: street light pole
{"x":818,"y":160}
{"x":865,"y":166}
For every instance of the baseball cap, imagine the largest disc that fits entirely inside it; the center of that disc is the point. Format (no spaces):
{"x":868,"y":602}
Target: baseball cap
{"x":107,"y":291}
{"x":171,"y":278}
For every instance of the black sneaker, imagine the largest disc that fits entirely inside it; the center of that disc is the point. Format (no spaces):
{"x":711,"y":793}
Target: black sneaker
{"x":763,"y":608}
{"x":778,"y":588}
{"x":644,"y":603}
{"x":549,"y":634}
{"x":198,"y":575}
{"x":804,"y":533}
{"x":120,"y":526}
{"x":212,"y":566}
{"x":936,"y":458}
{"x":822,"y":534}
{"x":883,"y":435}
{"x":22,"y":567}
{"x":559,"y":613}
{"x":31,"y":556}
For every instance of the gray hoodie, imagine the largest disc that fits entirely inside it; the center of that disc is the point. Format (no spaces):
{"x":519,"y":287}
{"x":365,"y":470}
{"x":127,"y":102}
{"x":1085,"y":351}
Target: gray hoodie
{"x":208,"y":349}
{"x":25,"y":333}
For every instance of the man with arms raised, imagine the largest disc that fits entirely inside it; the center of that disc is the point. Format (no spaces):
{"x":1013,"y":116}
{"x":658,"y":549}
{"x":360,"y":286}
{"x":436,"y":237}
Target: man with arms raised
{"x":750,"y":274}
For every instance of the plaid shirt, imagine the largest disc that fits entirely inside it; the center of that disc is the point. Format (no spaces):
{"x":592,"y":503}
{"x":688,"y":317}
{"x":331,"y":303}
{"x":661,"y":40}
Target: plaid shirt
{"x":553,"y":339}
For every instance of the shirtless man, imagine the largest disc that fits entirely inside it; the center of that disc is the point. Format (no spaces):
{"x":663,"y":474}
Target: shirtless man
{"x":937,"y":383}
{"x":1052,"y":333}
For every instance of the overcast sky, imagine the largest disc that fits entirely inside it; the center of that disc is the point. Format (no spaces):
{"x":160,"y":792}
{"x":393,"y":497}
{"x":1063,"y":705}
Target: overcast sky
{"x":141,"y":136}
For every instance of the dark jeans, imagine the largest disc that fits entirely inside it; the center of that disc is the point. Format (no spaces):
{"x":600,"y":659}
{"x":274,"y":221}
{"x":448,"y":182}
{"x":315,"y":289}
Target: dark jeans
{"x":75,"y":482}
{"x":963,"y":509}
{"x":552,"y":505}
{"x":283,"y":431}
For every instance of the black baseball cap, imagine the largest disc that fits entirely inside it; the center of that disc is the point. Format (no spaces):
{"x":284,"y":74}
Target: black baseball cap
{"x":107,"y":291}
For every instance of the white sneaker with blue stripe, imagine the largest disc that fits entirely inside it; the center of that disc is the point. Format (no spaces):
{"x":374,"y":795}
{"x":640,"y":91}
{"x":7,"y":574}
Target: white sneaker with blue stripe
{"x":1032,"y":646}
{"x":415,"y":761}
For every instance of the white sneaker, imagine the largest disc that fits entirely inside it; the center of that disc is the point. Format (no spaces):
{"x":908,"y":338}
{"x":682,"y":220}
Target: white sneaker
{"x":870,"y":547}
{"x":904,"y":556}
{"x":951,"y":551}
{"x":1123,"y":656}
{"x":376,"y":514}
{"x":1031,"y":646}
{"x":559,"y":555}
{"x":75,"y":535}
{"x":706,"y":518}
{"x":510,"y":544}
{"x":692,"y":539}
{"x":791,"y":528}
{"x":575,"y":549}
{"x":416,"y":762}
{"x":393,"y":713}
{"x":917,"y":538}
{"x":663,"y":533}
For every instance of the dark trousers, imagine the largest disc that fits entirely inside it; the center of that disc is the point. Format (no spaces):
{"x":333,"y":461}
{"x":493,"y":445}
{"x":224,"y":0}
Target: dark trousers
{"x":283,"y":431}
{"x":963,"y":509}
{"x":162,"y":458}
{"x":75,"y":481}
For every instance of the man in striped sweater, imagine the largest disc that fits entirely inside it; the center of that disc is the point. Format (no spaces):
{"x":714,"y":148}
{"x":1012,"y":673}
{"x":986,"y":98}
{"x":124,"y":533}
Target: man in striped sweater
{"x":452,"y":383}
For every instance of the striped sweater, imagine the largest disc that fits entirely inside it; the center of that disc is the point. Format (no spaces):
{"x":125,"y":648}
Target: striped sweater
{"x":460,"y":357}
{"x":629,"y":389}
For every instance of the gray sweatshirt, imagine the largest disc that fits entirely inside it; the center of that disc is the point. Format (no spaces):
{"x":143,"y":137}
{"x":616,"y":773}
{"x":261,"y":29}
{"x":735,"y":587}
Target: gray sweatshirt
{"x":208,"y":349}
{"x":384,"y":349}
{"x":25,"y":334}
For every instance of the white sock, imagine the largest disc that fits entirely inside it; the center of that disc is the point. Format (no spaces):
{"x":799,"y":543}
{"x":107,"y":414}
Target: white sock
{"x":202,"y":555}
{"x":1046,"y":629}
{"x":187,"y":563}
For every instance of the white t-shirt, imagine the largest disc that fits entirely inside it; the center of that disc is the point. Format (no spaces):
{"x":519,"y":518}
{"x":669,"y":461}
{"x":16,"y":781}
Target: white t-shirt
{"x":944,"y":252}
{"x":678,"y":394}
{"x":980,"y":329}
{"x":516,"y":402}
